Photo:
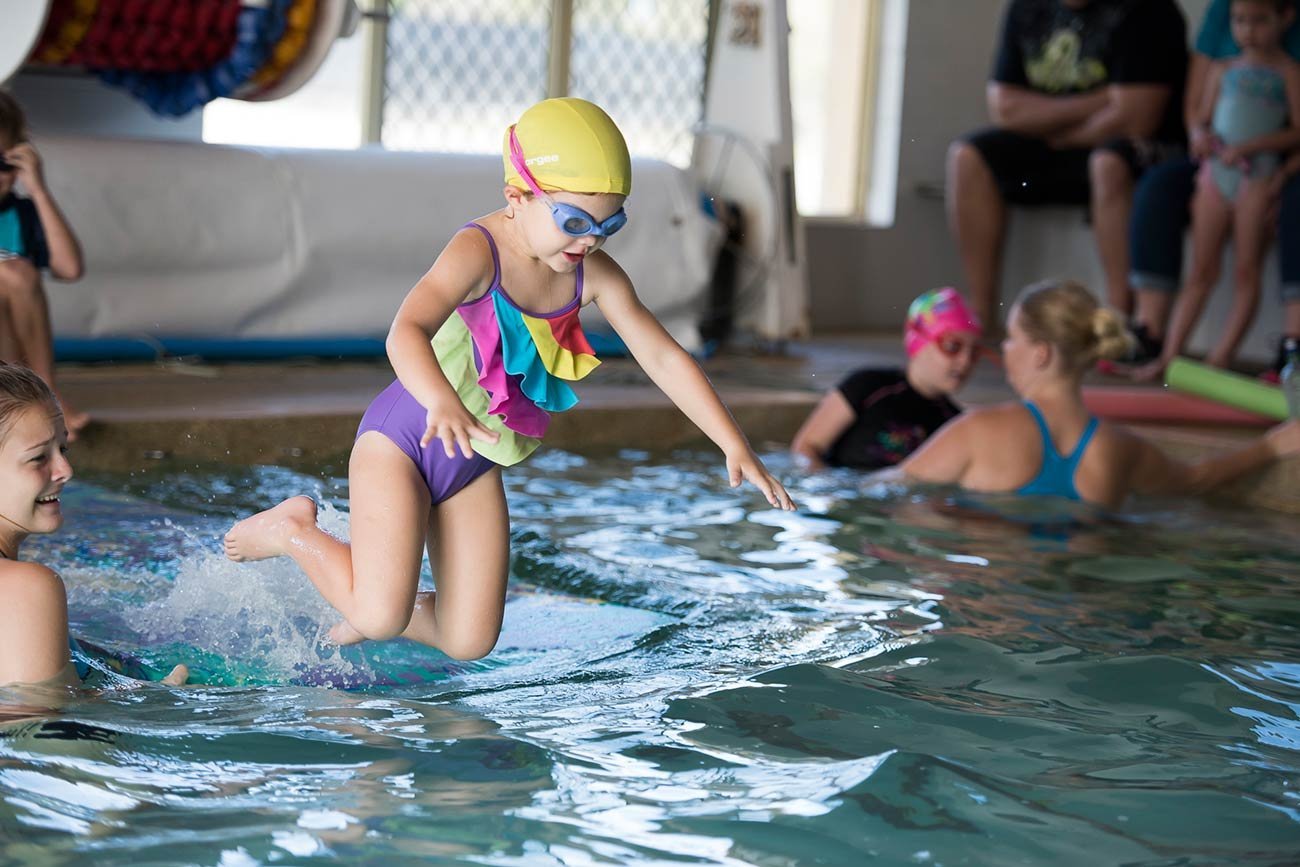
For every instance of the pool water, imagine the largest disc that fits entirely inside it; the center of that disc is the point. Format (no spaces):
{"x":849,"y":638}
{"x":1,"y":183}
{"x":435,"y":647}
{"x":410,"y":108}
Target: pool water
{"x":685,"y":677}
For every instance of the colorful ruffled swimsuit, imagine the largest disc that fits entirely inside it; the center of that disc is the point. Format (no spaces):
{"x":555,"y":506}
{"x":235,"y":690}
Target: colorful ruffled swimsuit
{"x":509,"y":367}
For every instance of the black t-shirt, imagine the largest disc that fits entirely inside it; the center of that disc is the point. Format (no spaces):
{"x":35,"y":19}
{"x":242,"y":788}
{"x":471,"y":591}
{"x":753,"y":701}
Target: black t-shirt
{"x":891,"y":421}
{"x":1051,"y":48}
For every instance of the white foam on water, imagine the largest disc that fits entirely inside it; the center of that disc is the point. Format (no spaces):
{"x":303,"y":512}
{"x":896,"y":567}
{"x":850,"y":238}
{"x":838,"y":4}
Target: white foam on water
{"x":265,"y":614}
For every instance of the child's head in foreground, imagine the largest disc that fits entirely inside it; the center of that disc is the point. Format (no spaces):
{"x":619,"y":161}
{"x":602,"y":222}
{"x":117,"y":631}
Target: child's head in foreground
{"x":567,"y":174}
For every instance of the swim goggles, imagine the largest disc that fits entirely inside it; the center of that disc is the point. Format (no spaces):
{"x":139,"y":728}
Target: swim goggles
{"x":952,"y":344}
{"x":571,"y":220}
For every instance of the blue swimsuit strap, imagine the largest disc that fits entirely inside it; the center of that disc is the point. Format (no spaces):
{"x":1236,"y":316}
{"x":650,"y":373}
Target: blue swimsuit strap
{"x":1056,"y":475}
{"x":1050,"y":448}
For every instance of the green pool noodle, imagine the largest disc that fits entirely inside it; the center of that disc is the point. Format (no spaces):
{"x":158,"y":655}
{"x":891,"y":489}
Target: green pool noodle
{"x":1230,"y":389}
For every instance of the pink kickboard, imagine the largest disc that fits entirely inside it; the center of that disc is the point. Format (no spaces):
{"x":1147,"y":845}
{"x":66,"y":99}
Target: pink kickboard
{"x":1162,"y":405}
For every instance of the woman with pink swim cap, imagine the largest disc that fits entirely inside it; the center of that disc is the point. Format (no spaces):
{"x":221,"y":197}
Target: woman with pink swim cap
{"x":876,"y":417}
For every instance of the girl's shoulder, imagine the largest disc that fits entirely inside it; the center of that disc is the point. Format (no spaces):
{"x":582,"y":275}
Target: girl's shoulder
{"x":602,"y":275}
{"x":29,"y":586}
{"x":471,"y":257}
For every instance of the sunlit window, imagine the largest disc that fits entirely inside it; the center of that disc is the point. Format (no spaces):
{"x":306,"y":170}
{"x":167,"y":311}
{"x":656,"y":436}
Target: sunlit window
{"x":846,"y":62}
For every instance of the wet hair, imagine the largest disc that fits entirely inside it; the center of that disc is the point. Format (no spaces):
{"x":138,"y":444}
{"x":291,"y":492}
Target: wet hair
{"x":13,"y":122}
{"x":21,"y":389}
{"x":1066,"y":315}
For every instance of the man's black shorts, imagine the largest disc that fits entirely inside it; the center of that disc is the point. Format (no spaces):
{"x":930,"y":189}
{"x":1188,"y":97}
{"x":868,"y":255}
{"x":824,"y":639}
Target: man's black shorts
{"x":1028,"y":172}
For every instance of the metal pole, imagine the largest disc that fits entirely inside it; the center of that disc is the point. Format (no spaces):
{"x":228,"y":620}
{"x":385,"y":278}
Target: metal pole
{"x":557,"y":78}
{"x":376,"y":62}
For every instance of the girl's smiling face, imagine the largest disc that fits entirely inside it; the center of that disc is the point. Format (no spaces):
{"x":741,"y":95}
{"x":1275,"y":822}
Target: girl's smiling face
{"x":33,"y":471}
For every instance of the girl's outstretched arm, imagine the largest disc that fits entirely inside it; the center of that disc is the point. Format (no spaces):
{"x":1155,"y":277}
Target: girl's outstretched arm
{"x":678,"y":375}
{"x":464,"y":266}
{"x":1154,"y":472}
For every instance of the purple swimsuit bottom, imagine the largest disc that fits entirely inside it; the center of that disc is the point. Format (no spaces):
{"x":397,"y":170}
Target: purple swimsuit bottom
{"x":401,"y":418}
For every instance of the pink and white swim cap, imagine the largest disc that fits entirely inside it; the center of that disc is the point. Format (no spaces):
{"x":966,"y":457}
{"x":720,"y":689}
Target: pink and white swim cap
{"x":934,"y":314}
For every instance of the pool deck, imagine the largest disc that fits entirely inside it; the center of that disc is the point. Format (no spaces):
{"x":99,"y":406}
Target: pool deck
{"x":303,"y":413}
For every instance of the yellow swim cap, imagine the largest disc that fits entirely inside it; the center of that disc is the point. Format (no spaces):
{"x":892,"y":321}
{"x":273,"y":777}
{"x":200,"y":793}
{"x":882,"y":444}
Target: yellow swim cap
{"x":570,"y":144}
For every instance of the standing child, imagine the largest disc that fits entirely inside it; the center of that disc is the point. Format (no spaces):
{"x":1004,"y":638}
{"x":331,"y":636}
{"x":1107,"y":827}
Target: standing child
{"x":34,"y":641}
{"x":33,"y":235}
{"x":1250,"y":118}
{"x":482,"y":347}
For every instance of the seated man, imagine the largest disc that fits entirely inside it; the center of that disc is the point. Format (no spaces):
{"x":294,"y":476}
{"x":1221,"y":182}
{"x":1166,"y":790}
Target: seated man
{"x":1071,"y":76}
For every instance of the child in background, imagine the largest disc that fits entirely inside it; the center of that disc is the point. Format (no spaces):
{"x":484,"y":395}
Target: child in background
{"x":1249,"y":120}
{"x":877,"y":417}
{"x":33,"y":235}
{"x":478,"y":371}
{"x":34,"y":642}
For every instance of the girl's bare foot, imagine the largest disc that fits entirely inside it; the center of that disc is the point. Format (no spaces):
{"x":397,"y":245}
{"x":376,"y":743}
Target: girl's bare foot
{"x":1215,"y":359}
{"x":178,"y":676}
{"x":1150,"y":372}
{"x":343,"y":633}
{"x":267,"y":534}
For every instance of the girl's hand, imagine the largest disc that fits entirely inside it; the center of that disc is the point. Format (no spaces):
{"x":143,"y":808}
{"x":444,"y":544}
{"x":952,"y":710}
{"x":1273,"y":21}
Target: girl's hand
{"x":749,"y":467}
{"x":1234,"y":156}
{"x":450,"y":422}
{"x":28,"y":162}
{"x":1204,"y":144}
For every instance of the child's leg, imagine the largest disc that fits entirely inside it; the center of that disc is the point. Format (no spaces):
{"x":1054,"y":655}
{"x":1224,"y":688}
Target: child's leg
{"x":1250,"y":228}
{"x":9,"y":350}
{"x":1111,"y":179}
{"x":28,"y":314}
{"x":371,"y":582}
{"x":469,"y":547}
{"x":1211,"y":220}
{"x":20,"y":284}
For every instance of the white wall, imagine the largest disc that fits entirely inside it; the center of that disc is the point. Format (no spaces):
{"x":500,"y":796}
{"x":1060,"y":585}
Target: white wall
{"x":862,"y":277}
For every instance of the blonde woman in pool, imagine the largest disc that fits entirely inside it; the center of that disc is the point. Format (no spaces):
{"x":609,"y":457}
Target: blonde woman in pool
{"x":34,"y":643}
{"x":478,"y":372}
{"x":1047,"y":443}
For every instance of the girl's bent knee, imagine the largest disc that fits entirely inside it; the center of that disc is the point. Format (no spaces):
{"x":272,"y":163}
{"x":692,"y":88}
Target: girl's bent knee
{"x":468,"y":647}
{"x":381,"y":625}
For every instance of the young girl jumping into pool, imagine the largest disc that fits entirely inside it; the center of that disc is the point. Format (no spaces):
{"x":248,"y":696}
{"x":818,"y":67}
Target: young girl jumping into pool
{"x":483,"y":348}
{"x":34,"y":642}
{"x":1249,"y":120}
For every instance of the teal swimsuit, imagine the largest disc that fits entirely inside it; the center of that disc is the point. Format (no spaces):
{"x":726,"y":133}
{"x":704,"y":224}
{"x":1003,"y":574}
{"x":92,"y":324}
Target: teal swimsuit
{"x":1252,"y":102}
{"x":1056,"y":476}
